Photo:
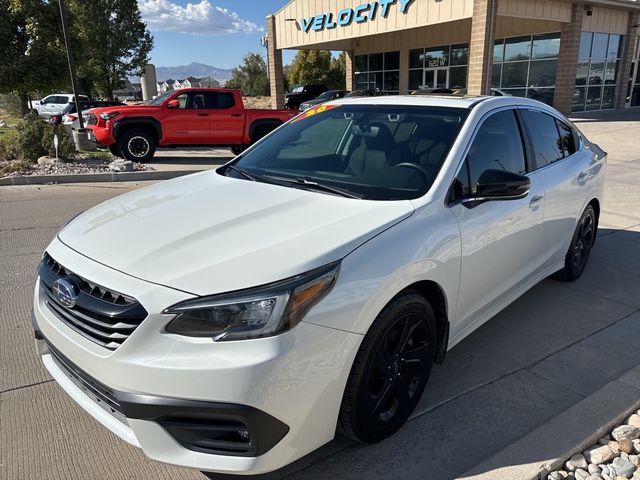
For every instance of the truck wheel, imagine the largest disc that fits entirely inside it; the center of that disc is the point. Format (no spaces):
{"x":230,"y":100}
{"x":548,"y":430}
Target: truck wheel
{"x":137,"y":145}
{"x":238,"y":149}
{"x":115,"y":151}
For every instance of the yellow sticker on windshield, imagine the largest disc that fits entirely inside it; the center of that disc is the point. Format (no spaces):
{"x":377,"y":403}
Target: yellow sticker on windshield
{"x":314,"y":111}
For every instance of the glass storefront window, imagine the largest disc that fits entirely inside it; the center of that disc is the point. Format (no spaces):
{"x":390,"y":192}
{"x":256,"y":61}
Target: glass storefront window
{"x":542,"y":73}
{"x":579,"y":95}
{"x":635,"y":97}
{"x":458,"y":77}
{"x":415,"y":79}
{"x":596,"y":73}
{"x":517,"y":49}
{"x":375,"y":62}
{"x":610,"y":72}
{"x":614,"y":46}
{"x":585,"y":44}
{"x":545,"y":46}
{"x":599,"y":47}
{"x":582,"y":71}
{"x":514,"y":74}
{"x":544,"y":95}
{"x":392,"y":61}
{"x":361,"y":63}
{"x":459,"y":55}
{"x":608,"y":97}
{"x":495,"y":75}
{"x":416,"y":58}
{"x":594,"y":94}
{"x":516,"y":92}
{"x":436,"y":57}
{"x":498,"y":51}
{"x":392,"y":81}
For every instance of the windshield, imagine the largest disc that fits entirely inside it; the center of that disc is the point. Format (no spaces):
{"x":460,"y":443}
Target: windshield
{"x":326,"y":95}
{"x":160,"y":100}
{"x":376,"y":152}
{"x":295,"y":90}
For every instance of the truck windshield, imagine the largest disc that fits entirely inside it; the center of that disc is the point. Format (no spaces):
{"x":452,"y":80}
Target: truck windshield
{"x":376,"y":152}
{"x":160,"y":99}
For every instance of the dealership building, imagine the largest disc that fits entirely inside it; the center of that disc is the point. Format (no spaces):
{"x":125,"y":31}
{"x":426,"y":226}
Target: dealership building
{"x":574,"y":55}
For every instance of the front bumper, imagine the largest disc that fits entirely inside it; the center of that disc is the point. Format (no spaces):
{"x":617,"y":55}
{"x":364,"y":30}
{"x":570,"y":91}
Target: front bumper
{"x":101,"y":135}
{"x":285,"y":390}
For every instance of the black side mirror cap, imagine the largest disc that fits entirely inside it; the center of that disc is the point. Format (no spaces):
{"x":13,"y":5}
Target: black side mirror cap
{"x":502,"y":185}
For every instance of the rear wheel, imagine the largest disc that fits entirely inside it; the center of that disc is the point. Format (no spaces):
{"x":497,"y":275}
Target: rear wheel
{"x":390,"y":371}
{"x":580,"y":248}
{"x":238,"y":149}
{"x":137,"y":145}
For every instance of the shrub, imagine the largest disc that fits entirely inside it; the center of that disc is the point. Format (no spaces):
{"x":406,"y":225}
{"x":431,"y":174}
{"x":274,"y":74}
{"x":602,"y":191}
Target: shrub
{"x":34,"y":139}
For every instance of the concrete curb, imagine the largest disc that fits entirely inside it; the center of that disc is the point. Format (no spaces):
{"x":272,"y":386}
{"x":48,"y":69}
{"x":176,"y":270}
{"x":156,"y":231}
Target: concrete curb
{"x":95,"y":177}
{"x":546,"y":448}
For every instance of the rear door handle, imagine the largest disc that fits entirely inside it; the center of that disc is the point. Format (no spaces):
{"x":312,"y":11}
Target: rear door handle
{"x":535,"y":201}
{"x":203,"y":114}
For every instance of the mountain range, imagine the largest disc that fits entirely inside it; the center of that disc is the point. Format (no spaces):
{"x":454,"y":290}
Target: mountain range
{"x":194,"y":69}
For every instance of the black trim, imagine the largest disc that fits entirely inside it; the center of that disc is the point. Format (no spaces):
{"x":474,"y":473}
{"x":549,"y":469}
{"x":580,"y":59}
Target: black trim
{"x":136,"y":122}
{"x":264,"y":122}
{"x":37,"y":333}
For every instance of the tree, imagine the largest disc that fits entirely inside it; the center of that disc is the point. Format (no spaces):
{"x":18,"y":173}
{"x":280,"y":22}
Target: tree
{"x":317,"y":66}
{"x":110,"y":42}
{"x":33,"y":55}
{"x":251,"y":76}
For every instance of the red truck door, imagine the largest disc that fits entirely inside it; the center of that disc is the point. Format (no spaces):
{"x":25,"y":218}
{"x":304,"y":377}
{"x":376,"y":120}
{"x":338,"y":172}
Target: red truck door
{"x":227,"y":117}
{"x":188,"y":124}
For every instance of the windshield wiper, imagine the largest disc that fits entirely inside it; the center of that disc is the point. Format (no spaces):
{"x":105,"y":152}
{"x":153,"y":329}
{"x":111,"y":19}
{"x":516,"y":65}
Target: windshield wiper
{"x":246,"y":175}
{"x":313,"y":185}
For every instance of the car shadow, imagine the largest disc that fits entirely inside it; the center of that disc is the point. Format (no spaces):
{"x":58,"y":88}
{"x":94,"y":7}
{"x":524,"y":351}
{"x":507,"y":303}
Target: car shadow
{"x":548,"y":350}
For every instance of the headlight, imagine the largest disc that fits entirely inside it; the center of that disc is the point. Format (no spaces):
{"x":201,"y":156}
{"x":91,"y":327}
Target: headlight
{"x":109,"y":115}
{"x":253,"y":313}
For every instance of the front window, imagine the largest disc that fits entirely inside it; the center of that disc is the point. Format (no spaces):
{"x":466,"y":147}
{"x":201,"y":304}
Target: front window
{"x":363,"y":151}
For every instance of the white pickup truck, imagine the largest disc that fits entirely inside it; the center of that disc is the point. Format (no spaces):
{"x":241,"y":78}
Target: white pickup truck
{"x":53,"y":104}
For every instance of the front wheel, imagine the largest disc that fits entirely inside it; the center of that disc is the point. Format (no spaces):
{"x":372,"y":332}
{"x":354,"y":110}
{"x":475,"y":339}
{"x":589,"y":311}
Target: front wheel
{"x":115,"y":151}
{"x":238,"y":149}
{"x":390,"y":371}
{"x":137,"y":145}
{"x":583,"y":238}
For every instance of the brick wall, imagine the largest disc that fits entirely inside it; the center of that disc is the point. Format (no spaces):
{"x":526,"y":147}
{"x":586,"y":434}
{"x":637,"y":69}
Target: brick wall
{"x":276,"y":73}
{"x":349,"y":70}
{"x":568,"y":60}
{"x":481,"y":47}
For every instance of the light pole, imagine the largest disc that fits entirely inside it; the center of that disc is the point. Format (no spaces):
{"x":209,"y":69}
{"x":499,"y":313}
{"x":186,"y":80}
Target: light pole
{"x":72,"y":67}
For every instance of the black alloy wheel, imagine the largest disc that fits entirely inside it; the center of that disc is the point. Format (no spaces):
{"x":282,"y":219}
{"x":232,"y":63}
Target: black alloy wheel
{"x":580,"y":248}
{"x":390,"y":371}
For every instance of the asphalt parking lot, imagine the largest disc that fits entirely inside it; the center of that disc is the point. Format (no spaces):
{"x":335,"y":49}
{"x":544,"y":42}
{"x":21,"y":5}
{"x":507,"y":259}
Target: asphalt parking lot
{"x":553,"y":347}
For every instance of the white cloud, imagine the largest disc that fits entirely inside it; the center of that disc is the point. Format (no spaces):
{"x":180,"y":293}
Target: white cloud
{"x":194,"y":18}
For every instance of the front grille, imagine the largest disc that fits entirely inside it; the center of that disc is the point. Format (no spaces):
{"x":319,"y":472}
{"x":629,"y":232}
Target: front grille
{"x":92,"y":119}
{"x":104,"y":316}
{"x":96,"y":391}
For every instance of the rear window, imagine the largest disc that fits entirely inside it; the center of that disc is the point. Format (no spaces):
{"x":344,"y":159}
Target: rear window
{"x":376,"y":152}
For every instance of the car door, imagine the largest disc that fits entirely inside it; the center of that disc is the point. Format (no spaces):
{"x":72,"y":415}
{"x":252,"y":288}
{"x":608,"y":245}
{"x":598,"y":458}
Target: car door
{"x":187,"y":124}
{"x":501,"y":241}
{"x":567,"y":172}
{"x":226,"y":121}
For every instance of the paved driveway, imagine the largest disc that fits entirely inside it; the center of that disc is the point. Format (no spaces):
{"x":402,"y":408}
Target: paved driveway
{"x":554,"y":346}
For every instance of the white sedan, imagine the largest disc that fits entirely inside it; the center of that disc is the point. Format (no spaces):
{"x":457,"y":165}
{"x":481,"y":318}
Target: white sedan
{"x":234,"y":320}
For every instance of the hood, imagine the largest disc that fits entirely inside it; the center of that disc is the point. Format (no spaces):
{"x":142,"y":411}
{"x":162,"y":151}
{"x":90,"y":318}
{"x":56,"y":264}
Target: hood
{"x":207,"y":234}
{"x":130,"y":109}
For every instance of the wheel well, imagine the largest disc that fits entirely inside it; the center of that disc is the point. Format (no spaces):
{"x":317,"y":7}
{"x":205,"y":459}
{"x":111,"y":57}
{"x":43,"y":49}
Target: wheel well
{"x":596,"y":208}
{"x":151,"y":126}
{"x":438,"y":300}
{"x":272,"y":123}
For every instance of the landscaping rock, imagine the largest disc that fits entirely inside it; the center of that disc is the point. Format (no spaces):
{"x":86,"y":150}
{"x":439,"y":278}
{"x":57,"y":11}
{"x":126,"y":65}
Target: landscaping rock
{"x":581,"y":474}
{"x":636,"y":446}
{"x":635,"y":459}
{"x":558,"y":475}
{"x":623,"y":467}
{"x":634,"y":420}
{"x":624,"y":435}
{"x":47,"y":160}
{"x":121,"y":166}
{"x":599,"y":454}
{"x":593,"y":468}
{"x":595,"y":476}
{"x":575,"y":462}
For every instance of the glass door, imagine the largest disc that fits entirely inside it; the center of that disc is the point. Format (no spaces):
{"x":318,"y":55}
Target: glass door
{"x":436,"y":78}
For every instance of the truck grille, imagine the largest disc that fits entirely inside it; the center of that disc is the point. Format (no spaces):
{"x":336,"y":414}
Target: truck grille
{"x":96,"y":391}
{"x":103,"y":316}
{"x":92,"y":119}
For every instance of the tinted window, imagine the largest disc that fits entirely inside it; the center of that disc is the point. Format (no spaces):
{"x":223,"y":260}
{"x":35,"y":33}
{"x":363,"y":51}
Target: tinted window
{"x":358,"y":148}
{"x":568,"y":139}
{"x":497,"y":146}
{"x":220,"y":100}
{"x":547,"y":145}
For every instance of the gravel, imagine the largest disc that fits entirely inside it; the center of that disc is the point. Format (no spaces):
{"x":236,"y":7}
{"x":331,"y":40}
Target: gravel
{"x":614,"y":457}
{"x":83,"y":163}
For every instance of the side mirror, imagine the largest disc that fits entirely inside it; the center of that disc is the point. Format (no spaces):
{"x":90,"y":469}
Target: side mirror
{"x":502,"y":185}
{"x":173,"y":103}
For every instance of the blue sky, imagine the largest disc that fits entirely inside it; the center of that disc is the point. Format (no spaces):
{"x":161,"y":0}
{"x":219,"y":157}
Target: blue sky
{"x":215,"y":32}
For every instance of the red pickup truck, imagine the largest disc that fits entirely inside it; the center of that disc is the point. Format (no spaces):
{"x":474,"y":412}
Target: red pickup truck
{"x":186,"y":117}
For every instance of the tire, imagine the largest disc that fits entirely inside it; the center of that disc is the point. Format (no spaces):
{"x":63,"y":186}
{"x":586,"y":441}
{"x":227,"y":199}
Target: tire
{"x":115,"y":151}
{"x":238,"y":149}
{"x":137,"y":145}
{"x":390,"y":371}
{"x":583,"y":239}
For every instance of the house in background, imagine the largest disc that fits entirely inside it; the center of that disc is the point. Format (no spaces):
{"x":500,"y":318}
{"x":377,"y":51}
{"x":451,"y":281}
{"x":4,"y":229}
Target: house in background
{"x":129,"y":91}
{"x":165,"y":86}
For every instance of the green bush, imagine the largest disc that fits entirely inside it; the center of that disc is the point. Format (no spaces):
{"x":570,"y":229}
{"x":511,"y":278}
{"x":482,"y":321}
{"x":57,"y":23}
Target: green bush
{"x":34,"y":139}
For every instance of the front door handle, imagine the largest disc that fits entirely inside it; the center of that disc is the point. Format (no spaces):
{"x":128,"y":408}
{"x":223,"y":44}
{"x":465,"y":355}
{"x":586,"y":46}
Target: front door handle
{"x":584,"y":176}
{"x":203,"y":114}
{"x":535,"y":201}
